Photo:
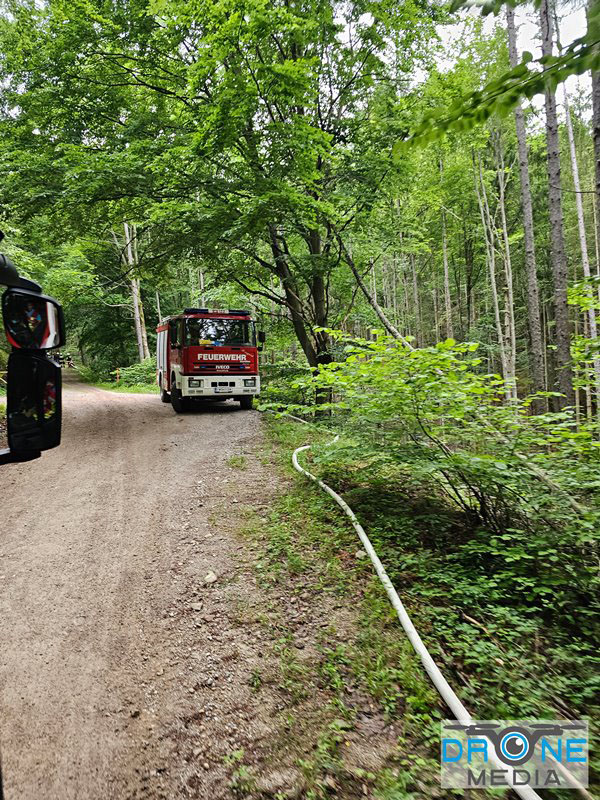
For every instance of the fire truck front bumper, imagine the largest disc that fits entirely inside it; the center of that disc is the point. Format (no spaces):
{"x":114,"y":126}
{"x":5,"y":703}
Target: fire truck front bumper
{"x":219,"y":385}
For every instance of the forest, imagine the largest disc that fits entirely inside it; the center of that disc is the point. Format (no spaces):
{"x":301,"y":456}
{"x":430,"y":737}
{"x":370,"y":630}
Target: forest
{"x":406,"y":195}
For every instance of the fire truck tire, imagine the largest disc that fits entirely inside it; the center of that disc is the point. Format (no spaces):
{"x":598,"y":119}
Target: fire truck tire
{"x":246,"y":402}
{"x":164,"y":395}
{"x":178,"y":402}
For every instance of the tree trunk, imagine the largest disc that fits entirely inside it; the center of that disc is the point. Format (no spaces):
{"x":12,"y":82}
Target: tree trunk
{"x":132,"y":252}
{"x":158,"y":306}
{"x":201,"y":282}
{"x":558,"y":256}
{"x":596,"y":138}
{"x":415,"y":289}
{"x":126,"y":253}
{"x":490,"y":248}
{"x":585,"y":260}
{"x":533,"y":293}
{"x":447,"y":299}
{"x":509,"y":307}
{"x":373,"y":281}
{"x":319,"y":297}
{"x":135,"y":302}
{"x":143,"y":330}
{"x":389,"y":327}
{"x":293,"y":300}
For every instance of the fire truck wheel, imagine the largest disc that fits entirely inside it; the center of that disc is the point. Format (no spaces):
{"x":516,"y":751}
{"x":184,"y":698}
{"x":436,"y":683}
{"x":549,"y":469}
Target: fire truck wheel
{"x":246,"y":402}
{"x":164,"y":395}
{"x":178,"y":402}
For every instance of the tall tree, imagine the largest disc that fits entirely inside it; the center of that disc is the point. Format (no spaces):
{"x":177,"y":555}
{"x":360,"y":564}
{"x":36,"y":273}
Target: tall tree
{"x":533,"y":294}
{"x":585,"y":259}
{"x":250,"y":134}
{"x":557,"y":249}
{"x":592,"y":21}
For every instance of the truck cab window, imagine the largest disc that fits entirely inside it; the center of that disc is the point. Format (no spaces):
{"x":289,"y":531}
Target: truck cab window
{"x":219,"y":332}
{"x":173,"y":331}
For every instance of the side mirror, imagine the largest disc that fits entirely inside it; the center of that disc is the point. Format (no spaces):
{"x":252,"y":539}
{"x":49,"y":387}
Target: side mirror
{"x":32,"y":321}
{"x":261,"y":337}
{"x":34,"y":408}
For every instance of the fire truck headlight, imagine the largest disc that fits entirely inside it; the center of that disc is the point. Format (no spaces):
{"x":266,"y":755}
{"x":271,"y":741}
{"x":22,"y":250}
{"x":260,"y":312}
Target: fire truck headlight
{"x":249,"y":381}
{"x":196,"y":382}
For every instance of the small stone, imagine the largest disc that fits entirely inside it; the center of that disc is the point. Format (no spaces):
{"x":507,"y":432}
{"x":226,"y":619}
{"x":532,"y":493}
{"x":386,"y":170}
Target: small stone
{"x":135,"y":713}
{"x":197,"y":606}
{"x":361,"y":554}
{"x":210,"y":578}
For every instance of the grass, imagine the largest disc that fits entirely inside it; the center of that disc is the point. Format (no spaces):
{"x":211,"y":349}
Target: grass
{"x":500,"y":657}
{"x":140,"y":388}
{"x":237,"y":462}
{"x":242,"y":780}
{"x":305,"y":542}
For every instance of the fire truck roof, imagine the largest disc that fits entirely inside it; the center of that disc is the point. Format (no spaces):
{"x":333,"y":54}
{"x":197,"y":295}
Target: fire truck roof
{"x":204,"y":313}
{"x":217,"y":311}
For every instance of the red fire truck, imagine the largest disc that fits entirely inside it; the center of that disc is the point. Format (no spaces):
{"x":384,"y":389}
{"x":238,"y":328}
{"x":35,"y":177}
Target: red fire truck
{"x":208,"y":354}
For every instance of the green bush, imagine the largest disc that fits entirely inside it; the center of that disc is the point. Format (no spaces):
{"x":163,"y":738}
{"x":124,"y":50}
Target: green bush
{"x":509,"y":502}
{"x":279,"y":383}
{"x":143,"y":373}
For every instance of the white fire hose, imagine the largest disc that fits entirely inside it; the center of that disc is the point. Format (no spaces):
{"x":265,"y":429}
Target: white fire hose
{"x":446,"y":692}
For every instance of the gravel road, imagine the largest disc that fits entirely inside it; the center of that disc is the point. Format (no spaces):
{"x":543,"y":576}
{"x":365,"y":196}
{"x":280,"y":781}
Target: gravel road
{"x":112,"y":646}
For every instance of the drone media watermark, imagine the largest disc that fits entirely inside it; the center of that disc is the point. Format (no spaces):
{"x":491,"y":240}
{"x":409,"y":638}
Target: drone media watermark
{"x":536,"y":753}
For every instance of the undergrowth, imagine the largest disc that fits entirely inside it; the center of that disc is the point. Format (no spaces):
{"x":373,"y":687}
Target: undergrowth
{"x":509,"y":651}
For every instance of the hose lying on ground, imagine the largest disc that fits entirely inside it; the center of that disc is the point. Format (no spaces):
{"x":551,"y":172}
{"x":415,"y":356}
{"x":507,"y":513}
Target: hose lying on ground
{"x":441,"y":684}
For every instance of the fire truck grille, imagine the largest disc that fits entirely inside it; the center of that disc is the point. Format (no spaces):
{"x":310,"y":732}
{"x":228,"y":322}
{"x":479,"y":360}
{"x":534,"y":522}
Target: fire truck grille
{"x":222,"y":383}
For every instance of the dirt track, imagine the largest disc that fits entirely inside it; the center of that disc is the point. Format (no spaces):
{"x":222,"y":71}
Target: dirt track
{"x":112,"y":645}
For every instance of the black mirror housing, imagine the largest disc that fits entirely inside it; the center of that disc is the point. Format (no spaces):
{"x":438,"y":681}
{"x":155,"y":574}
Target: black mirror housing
{"x":262,"y":337}
{"x":34,"y":407}
{"x":32,"y":321}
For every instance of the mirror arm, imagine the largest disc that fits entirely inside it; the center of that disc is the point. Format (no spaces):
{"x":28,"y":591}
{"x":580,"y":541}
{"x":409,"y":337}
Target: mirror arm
{"x":10,"y":457}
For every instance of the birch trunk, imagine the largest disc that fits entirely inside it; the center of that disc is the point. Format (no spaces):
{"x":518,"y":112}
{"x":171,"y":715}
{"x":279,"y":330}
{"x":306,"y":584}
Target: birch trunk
{"x":490,"y":248}
{"x":201,"y":280}
{"x":135,"y":302}
{"x":143,"y":329}
{"x":596,"y":138}
{"x":415,"y":288}
{"x":510,"y":304}
{"x":126,"y":253}
{"x":447,"y":298}
{"x":373,"y":281}
{"x":585,"y":260}
{"x":558,"y":256}
{"x":533,"y":293}
{"x":133,"y":260}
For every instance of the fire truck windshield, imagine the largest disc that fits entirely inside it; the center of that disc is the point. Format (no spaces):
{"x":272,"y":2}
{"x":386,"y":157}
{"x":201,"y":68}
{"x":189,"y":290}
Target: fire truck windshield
{"x":219,"y":332}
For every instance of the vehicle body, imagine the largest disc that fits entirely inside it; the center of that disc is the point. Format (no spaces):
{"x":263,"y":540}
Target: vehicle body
{"x":33,"y":325}
{"x":205,"y":354}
